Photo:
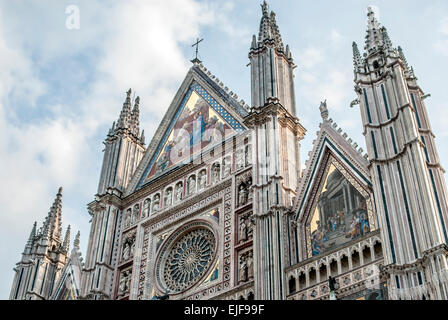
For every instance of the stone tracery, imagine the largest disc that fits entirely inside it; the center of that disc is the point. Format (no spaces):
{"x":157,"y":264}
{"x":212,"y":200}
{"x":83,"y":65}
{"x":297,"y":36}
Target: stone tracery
{"x":188,"y":259}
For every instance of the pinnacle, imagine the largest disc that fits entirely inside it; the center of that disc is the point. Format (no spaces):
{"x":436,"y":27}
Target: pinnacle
{"x":66,"y":244}
{"x":269,"y":30}
{"x":77,"y":240}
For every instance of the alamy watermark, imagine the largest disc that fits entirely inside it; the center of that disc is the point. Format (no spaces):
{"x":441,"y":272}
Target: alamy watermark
{"x":73,"y":19}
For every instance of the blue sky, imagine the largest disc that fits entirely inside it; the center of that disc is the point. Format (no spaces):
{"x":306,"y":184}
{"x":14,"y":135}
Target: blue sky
{"x":61,"y":89}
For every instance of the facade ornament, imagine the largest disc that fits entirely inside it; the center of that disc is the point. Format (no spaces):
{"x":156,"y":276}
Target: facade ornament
{"x":191,"y":185}
{"x":202,"y":179}
{"x":156,"y":203}
{"x":146,"y":206}
{"x":243,"y":229}
{"x":216,"y":170}
{"x":128,"y":247}
{"x":178,"y":192}
{"x":248,"y":155}
{"x":250,"y":266}
{"x":135,"y":211}
{"x":168,"y":197}
{"x":124,"y":283}
{"x":227,"y":167}
{"x":240,"y":159}
{"x":324,"y":110}
{"x":127,"y":218}
{"x":250,"y":226}
{"x":242,"y":195}
{"x":243,"y":269}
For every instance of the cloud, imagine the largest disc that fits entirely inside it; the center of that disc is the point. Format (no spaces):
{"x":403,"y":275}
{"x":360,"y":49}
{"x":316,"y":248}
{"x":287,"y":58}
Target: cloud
{"x":60,"y":90}
{"x":335,"y":87}
{"x":310,"y":57}
{"x":336,"y":37}
{"x":441,"y":45}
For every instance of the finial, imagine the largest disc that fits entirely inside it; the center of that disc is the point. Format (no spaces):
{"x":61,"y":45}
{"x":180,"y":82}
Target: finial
{"x":33,"y":233}
{"x":66,"y":243}
{"x":254,"y":42}
{"x":137,"y":101}
{"x":142,"y":137}
{"x":324,"y":110}
{"x":60,"y":191}
{"x":265,"y":8}
{"x":77,"y":240}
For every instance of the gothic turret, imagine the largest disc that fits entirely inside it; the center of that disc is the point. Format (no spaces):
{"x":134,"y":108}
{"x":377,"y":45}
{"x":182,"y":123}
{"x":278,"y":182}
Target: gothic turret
{"x":276,"y":158}
{"x":43,"y":258}
{"x":410,"y":190}
{"x":123,"y":152}
{"x":124,"y":148}
{"x":271,"y":65}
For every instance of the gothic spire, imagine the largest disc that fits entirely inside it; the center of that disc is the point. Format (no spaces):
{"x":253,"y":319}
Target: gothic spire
{"x":32,"y":235}
{"x":52,"y":228}
{"x":269,"y":31}
{"x":375,"y":33}
{"x":66,"y":243}
{"x":135,"y":117}
{"x":125,"y":115}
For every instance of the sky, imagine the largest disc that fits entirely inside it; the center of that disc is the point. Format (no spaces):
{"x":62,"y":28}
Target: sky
{"x":62,"y":84}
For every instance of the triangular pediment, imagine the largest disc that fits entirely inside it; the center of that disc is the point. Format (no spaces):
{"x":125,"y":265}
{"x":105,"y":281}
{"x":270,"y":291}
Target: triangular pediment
{"x":334,"y":203}
{"x":201,"y":116}
{"x":331,"y":142}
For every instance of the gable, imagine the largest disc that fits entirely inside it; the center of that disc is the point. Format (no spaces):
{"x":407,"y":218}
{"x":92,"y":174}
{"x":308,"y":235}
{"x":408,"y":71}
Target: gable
{"x":334,"y":203}
{"x":200,"y":117}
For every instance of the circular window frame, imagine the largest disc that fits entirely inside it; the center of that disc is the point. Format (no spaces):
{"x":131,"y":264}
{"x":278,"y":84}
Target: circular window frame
{"x":170,"y":242}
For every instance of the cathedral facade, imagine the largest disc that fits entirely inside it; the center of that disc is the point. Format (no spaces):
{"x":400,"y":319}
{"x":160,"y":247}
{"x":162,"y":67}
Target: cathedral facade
{"x":217,"y":206}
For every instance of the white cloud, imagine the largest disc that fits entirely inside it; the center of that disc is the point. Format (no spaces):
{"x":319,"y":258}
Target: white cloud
{"x":310,"y":57}
{"x":335,"y":37}
{"x":441,"y":45}
{"x":134,"y":44}
{"x":335,"y":87}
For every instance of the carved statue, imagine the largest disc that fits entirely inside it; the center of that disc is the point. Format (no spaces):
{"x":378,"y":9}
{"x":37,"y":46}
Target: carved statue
{"x":123,"y":287}
{"x":132,"y":247}
{"x":250,"y":266}
{"x":134,"y":217}
{"x":191,"y":185}
{"x":215,"y":173}
{"x":128,"y":247}
{"x":168,"y":197}
{"x":156,"y":204}
{"x":248,"y":188}
{"x":243,"y":229}
{"x":242,"y":195}
{"x":202,"y":180}
{"x":250,"y":226}
{"x":126,"y":251}
{"x":243,"y":269}
{"x":145,"y":211}
{"x":178,"y":195}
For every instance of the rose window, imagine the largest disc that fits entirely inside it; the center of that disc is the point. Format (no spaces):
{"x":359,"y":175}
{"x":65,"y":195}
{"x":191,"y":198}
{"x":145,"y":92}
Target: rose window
{"x":188,"y":259}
